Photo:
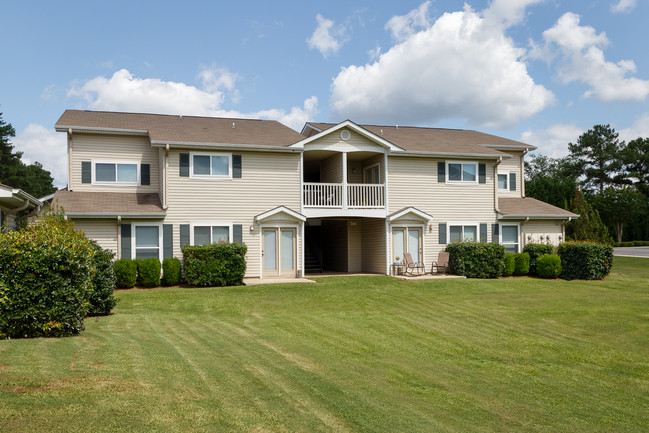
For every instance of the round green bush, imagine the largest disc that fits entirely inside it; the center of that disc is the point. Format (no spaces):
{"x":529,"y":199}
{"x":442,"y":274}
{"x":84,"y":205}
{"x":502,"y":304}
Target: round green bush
{"x":548,"y":266}
{"x":510,"y":265}
{"x":535,"y":250}
{"x":171,"y":275}
{"x":101,"y":297}
{"x":476,"y":259}
{"x":46,"y":271}
{"x":126,"y":273}
{"x":522,"y":264}
{"x":222,"y":264}
{"x":148,"y":272}
{"x":585,"y":260}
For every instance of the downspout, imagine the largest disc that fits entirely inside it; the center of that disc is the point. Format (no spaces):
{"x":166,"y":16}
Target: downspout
{"x":523,"y":172}
{"x":523,"y":241}
{"x":69,"y":159}
{"x":496,"y":208}
{"x":164,"y":178}
{"x":119,"y":237}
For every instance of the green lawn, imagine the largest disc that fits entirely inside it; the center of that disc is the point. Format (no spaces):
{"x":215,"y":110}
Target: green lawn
{"x":348,"y":354}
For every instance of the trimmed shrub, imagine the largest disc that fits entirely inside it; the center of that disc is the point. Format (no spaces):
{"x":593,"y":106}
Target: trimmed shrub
{"x":171,"y":275}
{"x":126,"y":273}
{"x":148,"y":272}
{"x":626,"y":244}
{"x":476,"y":260}
{"x":510,"y":265}
{"x":585,"y":260}
{"x":522,"y":264}
{"x":641,"y":243}
{"x":548,"y":266}
{"x":101,"y":297}
{"x":46,"y":271}
{"x":536,"y":250}
{"x":221,"y":264}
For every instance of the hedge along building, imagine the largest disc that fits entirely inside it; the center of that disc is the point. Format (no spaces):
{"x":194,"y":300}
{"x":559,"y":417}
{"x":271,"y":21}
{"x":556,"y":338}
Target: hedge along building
{"x":340,"y":197}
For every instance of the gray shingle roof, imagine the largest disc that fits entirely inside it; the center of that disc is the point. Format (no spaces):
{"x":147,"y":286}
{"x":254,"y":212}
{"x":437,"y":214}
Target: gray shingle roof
{"x":108,"y":203}
{"x":418,"y":139}
{"x":531,"y":207}
{"x":164,"y":128}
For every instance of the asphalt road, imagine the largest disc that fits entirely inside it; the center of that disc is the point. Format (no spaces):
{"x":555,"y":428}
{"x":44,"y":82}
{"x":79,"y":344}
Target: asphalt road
{"x":632,"y":251}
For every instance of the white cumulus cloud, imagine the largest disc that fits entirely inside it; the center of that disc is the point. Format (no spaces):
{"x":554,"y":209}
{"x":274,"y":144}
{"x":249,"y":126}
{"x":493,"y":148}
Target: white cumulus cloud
{"x":326,"y":38}
{"x":126,"y":92}
{"x":578,"y":54}
{"x":46,"y":146}
{"x":639,"y":128}
{"x":554,"y":140}
{"x":623,"y":6}
{"x":403,"y":26}
{"x":462,"y":66}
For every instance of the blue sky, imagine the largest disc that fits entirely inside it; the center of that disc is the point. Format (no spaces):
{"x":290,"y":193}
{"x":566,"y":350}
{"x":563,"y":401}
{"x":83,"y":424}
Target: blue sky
{"x":537,"y":71}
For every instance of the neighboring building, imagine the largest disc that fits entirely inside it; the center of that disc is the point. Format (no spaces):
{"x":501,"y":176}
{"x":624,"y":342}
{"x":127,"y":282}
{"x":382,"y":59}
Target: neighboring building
{"x":16,"y":204}
{"x":339,"y":197}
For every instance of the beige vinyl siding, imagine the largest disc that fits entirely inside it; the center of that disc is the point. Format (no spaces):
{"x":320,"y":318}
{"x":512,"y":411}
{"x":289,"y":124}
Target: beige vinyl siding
{"x":354,"y":246}
{"x":539,"y":228}
{"x":268,"y":180}
{"x":413,"y":182}
{"x":331,"y":169}
{"x":512,"y":165}
{"x":357,"y":167}
{"x":88,"y":147}
{"x":373,"y":245}
{"x":355,"y":143}
{"x":104,"y":231}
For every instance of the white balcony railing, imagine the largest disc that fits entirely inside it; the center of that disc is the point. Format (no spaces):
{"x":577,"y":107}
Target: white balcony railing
{"x":323,"y":195}
{"x":330,"y":195}
{"x":365,"y":196}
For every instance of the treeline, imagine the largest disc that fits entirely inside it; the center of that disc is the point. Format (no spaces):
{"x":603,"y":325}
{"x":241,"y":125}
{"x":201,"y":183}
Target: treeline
{"x":33,"y":178}
{"x":603,"y":179}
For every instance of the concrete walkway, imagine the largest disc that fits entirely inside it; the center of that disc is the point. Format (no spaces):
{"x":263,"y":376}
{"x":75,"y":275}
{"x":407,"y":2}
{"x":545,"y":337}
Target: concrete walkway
{"x":428,"y":277}
{"x":256,"y":281}
{"x":631,"y":251}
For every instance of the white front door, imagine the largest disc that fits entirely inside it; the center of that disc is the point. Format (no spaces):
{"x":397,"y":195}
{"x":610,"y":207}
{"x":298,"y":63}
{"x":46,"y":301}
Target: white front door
{"x":279,"y":252}
{"x":407,"y":240}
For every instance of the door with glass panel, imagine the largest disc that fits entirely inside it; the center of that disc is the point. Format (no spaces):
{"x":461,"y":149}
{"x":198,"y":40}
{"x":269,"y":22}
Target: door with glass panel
{"x":407,"y":240}
{"x":279,"y":252}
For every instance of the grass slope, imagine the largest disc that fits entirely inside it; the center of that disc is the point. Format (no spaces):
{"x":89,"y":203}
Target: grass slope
{"x":348,"y":354}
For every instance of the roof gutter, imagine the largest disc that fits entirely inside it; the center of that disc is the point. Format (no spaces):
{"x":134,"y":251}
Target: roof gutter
{"x":193,"y":145}
{"x":538,"y":217}
{"x":453,"y":154}
{"x":62,"y":128}
{"x":114,"y":215}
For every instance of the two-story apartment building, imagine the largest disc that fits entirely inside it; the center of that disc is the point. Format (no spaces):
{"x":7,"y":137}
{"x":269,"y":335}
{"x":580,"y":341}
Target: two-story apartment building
{"x":339,"y":197}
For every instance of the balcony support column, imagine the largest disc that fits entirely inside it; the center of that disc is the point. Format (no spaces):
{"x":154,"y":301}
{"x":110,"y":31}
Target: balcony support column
{"x":345,"y":203}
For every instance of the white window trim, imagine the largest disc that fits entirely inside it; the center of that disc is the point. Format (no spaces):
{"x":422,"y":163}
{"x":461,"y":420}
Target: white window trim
{"x":210,"y":224}
{"x":463,"y":224}
{"x":506,"y":174}
{"x":94,"y":162}
{"x":518,"y":229}
{"x":134,"y":235}
{"x":369,"y":167}
{"x":462,"y":182}
{"x":210,"y":176}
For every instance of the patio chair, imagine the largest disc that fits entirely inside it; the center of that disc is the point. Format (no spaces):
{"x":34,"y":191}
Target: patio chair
{"x":441,"y":263}
{"x":411,"y":266}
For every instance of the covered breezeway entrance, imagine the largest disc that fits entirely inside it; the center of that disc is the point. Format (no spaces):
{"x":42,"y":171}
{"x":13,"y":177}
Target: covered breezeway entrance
{"x":350,"y":245}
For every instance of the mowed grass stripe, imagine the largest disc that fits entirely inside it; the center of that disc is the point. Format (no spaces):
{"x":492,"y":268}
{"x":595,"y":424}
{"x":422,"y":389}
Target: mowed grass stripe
{"x":348,"y":354}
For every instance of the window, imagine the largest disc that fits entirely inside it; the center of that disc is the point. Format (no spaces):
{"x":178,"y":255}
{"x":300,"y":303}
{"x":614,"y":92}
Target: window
{"x":211,"y":165}
{"x":372,"y":174}
{"x":462,"y":232}
{"x":147,"y":241}
{"x":509,"y":237}
{"x":462,"y":172}
{"x":207,"y":233}
{"x":116,"y":173}
{"x":503,"y":181}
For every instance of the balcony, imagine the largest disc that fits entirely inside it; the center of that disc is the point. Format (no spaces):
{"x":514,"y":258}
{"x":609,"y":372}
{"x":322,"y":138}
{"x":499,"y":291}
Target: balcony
{"x":336,"y":199}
